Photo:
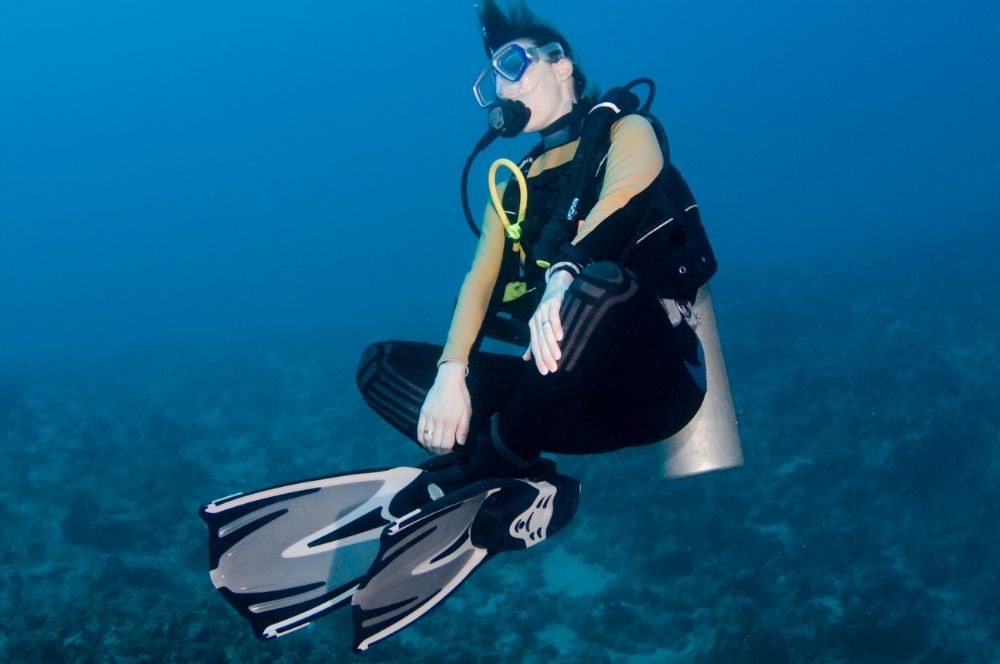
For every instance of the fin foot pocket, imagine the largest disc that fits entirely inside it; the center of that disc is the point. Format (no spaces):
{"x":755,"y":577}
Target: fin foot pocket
{"x":426,"y":556}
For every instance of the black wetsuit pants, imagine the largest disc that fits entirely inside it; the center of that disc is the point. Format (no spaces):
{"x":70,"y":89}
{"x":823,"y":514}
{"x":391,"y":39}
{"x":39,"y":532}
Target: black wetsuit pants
{"x":627,"y":377}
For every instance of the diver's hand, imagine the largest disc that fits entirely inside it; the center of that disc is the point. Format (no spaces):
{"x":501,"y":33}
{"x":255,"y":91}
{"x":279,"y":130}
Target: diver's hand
{"x":546,"y":327}
{"x":444,"y":417}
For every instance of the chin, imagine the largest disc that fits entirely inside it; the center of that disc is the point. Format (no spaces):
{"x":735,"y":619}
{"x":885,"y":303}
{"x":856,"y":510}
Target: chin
{"x":534,"y":124}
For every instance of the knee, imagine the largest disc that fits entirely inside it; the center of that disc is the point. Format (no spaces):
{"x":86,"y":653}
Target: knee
{"x":608,"y":271}
{"x":372,"y":358}
{"x":602,"y":280}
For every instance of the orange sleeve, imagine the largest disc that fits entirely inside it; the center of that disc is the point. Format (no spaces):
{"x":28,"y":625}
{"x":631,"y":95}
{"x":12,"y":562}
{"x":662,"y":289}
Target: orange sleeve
{"x":634,"y":161}
{"x":474,"y":296}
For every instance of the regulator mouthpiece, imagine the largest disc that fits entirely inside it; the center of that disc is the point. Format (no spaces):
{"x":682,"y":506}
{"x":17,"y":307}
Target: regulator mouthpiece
{"x":508,"y":118}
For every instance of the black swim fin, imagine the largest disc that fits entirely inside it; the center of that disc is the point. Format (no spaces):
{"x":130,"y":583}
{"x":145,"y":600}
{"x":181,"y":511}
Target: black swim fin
{"x":428,"y":554}
{"x":284,"y":556}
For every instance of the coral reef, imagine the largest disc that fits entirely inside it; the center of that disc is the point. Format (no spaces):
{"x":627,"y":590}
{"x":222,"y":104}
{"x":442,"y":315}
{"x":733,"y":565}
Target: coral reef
{"x":861,"y":529}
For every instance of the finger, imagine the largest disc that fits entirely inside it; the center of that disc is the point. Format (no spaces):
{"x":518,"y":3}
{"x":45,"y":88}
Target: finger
{"x":548,"y":346}
{"x":527,"y":355}
{"x":538,"y":352}
{"x":556,"y":322}
{"x":462,"y":432}
{"x":542,"y":356}
{"x":551,"y":343}
{"x":444,"y":436}
{"x":437,"y":437}
{"x":421,"y":427}
{"x":536,"y":349}
{"x":448,"y":437}
{"x":541,"y":363}
{"x":431,"y":435}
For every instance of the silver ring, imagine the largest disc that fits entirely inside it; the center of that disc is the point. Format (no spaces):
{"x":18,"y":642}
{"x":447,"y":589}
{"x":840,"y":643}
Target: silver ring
{"x":545,"y":322}
{"x":427,"y":432}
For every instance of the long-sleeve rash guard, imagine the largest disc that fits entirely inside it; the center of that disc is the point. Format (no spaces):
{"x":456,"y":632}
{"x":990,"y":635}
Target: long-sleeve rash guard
{"x":634,"y":161}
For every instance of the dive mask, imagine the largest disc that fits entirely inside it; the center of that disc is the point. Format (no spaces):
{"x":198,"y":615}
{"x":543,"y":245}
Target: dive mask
{"x":510,"y":63}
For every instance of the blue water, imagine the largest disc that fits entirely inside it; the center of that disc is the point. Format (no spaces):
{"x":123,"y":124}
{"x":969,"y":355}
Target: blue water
{"x":208,"y":209}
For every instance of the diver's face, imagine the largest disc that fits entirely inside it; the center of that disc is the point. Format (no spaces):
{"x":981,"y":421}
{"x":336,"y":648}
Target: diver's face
{"x":543,"y":88}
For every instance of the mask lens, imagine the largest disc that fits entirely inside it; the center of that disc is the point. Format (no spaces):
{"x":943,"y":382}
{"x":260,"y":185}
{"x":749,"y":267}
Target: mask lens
{"x":485,"y":88}
{"x":511,"y":62}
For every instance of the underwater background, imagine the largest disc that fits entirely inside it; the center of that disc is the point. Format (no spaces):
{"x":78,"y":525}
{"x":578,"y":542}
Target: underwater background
{"x":208,"y":209}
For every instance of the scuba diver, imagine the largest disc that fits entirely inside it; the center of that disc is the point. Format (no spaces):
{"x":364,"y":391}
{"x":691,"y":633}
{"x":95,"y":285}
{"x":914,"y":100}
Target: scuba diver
{"x":592,"y":256}
{"x":605,"y":366}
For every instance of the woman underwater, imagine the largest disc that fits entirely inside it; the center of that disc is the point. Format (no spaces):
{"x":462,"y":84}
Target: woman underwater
{"x":606,"y":368}
{"x":611,"y":362}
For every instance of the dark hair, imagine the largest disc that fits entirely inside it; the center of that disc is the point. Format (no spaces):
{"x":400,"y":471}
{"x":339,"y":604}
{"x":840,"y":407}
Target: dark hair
{"x":521,"y":23}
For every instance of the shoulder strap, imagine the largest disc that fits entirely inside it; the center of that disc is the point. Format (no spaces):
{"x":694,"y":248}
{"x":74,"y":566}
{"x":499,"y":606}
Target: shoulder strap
{"x":595,"y":140}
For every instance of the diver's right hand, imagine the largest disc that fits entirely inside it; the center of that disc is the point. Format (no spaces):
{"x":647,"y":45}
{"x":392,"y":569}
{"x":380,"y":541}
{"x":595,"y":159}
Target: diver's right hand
{"x":444,"y":417}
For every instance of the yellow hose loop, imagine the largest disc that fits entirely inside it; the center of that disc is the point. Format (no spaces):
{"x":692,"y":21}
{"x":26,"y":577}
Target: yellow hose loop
{"x":513,"y":230}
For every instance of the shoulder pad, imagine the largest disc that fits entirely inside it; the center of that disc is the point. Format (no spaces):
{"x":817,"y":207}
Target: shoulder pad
{"x":617,"y":101}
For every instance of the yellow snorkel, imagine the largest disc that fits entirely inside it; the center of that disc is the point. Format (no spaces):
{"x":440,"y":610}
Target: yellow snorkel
{"x":514,"y":289}
{"x":507,"y":118}
{"x":513,"y":230}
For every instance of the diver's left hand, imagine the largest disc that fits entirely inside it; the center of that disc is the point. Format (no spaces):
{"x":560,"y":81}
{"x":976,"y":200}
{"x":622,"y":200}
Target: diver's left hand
{"x":546,"y":327}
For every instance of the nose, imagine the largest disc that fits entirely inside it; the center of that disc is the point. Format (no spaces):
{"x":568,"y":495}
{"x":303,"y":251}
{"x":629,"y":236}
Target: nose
{"x":505,"y":89}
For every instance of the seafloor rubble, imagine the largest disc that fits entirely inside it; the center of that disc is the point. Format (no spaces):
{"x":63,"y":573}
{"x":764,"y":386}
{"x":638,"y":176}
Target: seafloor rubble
{"x":863,"y":527}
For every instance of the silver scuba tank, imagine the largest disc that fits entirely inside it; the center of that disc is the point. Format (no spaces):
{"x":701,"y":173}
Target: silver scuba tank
{"x":711,"y":440}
